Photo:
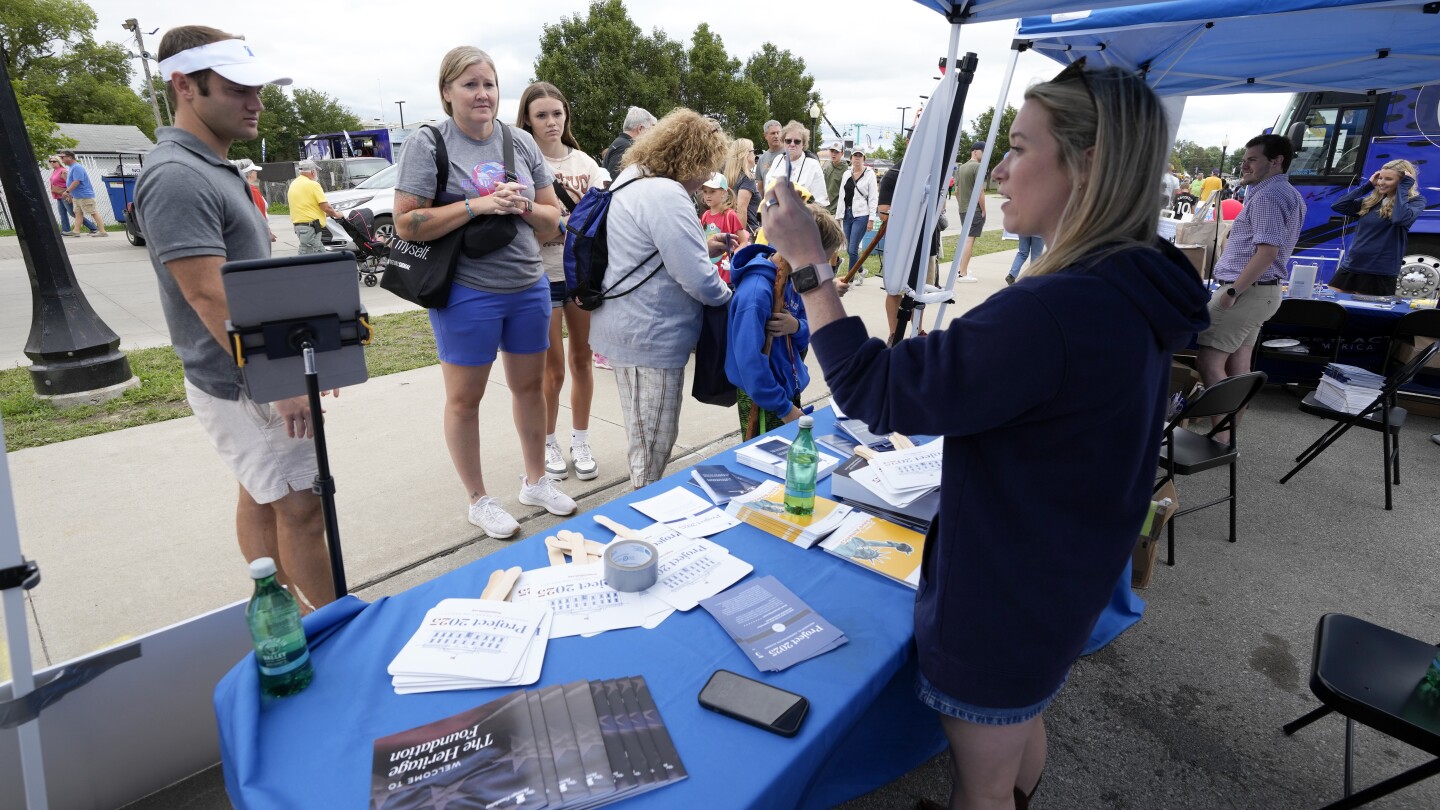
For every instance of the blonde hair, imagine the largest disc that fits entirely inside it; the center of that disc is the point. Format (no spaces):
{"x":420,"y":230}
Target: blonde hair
{"x":1118,"y":117}
{"x":1386,"y":202}
{"x":683,"y":146}
{"x":459,"y":60}
{"x":796,"y":126}
{"x":735,"y":161}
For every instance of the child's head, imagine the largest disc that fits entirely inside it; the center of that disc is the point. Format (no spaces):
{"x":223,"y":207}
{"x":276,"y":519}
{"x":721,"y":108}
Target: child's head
{"x":831,"y":237}
{"x":716,"y":193}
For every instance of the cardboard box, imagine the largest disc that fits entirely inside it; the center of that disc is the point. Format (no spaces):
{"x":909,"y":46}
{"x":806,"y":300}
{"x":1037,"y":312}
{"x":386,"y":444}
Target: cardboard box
{"x":1196,"y":255}
{"x":1147,"y":548}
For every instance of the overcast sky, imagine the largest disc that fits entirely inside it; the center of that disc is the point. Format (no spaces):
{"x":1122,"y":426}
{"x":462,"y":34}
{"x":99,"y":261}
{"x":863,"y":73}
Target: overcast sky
{"x":868,"y":58}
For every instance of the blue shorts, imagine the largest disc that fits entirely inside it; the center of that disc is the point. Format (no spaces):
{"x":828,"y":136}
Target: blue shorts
{"x":558,"y":294}
{"x":475,"y":324}
{"x":980,"y":715}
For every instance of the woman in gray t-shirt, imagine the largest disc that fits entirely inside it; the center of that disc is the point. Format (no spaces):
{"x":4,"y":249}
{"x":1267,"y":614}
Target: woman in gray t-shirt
{"x":500,"y":300}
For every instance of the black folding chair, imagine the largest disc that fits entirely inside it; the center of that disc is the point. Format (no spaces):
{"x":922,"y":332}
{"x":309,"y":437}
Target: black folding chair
{"x":1372,"y":675}
{"x":1185,"y":452}
{"x":1422,"y":323}
{"x":1316,"y":324}
{"x":1382,"y":415}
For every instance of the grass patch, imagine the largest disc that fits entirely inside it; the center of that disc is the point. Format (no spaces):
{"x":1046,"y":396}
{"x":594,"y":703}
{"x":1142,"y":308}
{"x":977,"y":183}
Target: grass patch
{"x":277,"y":208}
{"x":987,"y":242}
{"x":403,"y":341}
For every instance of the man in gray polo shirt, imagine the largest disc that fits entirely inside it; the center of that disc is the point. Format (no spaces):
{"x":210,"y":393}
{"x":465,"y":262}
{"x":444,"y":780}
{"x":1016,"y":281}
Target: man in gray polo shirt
{"x":197,"y":215}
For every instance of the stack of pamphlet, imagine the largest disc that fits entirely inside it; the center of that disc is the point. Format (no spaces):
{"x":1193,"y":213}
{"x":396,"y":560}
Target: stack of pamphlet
{"x":856,"y":484}
{"x":473,"y":644}
{"x":769,"y":456}
{"x":764,"y":508}
{"x":719,"y":483}
{"x":685,"y":512}
{"x":774,"y":628}
{"x":582,"y":745}
{"x":879,"y":545}
{"x":1348,"y":389}
{"x":584,"y":604}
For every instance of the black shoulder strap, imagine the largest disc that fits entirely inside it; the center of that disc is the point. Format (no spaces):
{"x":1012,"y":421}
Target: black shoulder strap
{"x":442,"y":164}
{"x":509,"y":145}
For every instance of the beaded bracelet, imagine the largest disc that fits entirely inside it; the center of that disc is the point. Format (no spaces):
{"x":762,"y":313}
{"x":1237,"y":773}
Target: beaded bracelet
{"x":468,"y":210}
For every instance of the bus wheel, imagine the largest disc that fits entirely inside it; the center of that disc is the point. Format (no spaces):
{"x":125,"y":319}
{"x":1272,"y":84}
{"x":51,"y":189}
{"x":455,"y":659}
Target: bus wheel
{"x":1420,"y":269}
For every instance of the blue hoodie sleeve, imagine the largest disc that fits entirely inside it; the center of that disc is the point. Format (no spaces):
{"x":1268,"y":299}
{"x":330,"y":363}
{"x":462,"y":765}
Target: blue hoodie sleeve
{"x":745,"y":366}
{"x":1410,"y":208}
{"x":1004,"y":358}
{"x":1349,"y":205}
{"x":796,"y":307}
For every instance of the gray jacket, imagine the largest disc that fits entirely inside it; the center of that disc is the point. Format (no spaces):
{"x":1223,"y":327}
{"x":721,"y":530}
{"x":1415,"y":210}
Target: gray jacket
{"x":657,"y":325}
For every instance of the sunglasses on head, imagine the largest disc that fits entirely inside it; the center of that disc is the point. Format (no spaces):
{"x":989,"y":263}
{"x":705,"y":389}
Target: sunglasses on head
{"x":1073,"y":71}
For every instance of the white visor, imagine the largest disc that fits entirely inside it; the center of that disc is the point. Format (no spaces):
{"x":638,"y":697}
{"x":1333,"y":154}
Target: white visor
{"x":231,"y":58}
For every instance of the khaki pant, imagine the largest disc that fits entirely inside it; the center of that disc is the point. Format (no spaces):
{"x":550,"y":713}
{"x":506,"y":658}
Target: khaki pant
{"x":85,"y":207}
{"x":309,"y":238}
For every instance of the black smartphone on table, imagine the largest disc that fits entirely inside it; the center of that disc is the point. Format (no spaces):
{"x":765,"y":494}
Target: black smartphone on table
{"x":753,"y":702}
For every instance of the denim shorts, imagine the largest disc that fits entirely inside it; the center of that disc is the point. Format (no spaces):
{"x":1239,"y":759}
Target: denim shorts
{"x":558,"y":290}
{"x":475,"y":325}
{"x":980,"y":715}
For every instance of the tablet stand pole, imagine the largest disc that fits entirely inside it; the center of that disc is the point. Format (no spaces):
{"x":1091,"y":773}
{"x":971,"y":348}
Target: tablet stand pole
{"x":324,"y":482}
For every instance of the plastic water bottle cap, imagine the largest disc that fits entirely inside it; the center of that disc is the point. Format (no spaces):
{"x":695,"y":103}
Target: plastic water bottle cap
{"x":261,"y":568}
{"x":807,"y":421}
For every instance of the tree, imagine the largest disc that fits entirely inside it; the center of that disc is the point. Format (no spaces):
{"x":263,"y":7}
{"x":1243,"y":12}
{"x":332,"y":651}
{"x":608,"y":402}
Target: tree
{"x":604,"y":65}
{"x":45,"y":139}
{"x":786,"y":87}
{"x":1189,"y":156}
{"x":67,"y":76}
{"x":280,"y":130}
{"x":711,"y":84}
{"x":979,"y":131}
{"x":897,"y":148}
{"x":319,"y":113}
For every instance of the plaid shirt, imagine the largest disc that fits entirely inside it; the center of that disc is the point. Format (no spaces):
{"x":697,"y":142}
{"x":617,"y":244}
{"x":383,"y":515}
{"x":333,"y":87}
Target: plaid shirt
{"x":1273,"y":214}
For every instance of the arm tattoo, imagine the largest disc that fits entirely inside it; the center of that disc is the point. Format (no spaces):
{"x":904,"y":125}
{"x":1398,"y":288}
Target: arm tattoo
{"x":418,"y":219}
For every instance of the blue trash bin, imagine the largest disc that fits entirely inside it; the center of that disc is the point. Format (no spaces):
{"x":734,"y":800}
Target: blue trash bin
{"x":870,"y":237}
{"x":122,"y":192}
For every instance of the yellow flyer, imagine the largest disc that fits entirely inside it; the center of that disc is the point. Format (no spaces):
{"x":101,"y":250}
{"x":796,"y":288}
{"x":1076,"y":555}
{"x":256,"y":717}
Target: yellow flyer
{"x":879,"y":545}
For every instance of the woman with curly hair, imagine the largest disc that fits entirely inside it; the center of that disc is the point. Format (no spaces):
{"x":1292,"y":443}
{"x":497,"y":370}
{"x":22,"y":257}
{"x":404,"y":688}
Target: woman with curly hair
{"x":1384,"y":207}
{"x":660,"y":277}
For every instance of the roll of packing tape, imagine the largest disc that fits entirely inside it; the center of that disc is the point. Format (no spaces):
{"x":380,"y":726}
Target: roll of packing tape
{"x":631,"y":565}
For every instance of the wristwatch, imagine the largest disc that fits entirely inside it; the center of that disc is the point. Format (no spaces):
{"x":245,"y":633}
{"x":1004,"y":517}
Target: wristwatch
{"x":1230,"y":291}
{"x":807,"y":278}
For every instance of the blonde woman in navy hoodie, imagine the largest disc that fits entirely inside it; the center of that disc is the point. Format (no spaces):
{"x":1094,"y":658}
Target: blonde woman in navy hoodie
{"x":1384,"y":207}
{"x":1061,"y":375}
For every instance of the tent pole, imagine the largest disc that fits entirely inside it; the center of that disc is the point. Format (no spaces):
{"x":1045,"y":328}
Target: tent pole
{"x":979,"y":188}
{"x":32,"y":768}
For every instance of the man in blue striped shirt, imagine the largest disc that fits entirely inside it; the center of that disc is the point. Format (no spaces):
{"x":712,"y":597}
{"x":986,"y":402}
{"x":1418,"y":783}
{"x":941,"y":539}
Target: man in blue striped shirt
{"x":1256,"y":259}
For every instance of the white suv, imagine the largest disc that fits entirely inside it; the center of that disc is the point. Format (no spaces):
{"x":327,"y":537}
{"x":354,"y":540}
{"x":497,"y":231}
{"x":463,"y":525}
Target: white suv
{"x":377,"y":193}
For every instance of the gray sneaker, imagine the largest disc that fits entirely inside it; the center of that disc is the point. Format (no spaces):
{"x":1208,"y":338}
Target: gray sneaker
{"x":488,"y":514}
{"x":585,"y":466}
{"x":555,"y":466}
{"x":543,"y":493}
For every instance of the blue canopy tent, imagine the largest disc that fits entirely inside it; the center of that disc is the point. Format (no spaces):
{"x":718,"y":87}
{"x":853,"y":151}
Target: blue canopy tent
{"x":1209,"y":47}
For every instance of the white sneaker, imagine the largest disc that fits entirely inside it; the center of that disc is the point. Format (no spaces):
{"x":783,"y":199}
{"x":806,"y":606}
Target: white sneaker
{"x":585,"y":466}
{"x":555,"y":466}
{"x":859,"y":279}
{"x":543,"y":493}
{"x":488,"y":514}
{"x":967,"y":279}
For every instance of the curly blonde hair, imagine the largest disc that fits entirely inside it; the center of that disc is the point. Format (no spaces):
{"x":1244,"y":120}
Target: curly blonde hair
{"x":683,"y":146}
{"x":1404,"y":168}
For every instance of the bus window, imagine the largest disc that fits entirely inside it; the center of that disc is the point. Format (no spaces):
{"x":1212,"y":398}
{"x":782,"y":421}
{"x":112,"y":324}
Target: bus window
{"x":1333,"y":142}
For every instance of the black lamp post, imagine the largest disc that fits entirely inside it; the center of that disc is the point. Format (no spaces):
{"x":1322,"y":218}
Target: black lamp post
{"x":73,"y":352}
{"x":401,"y":105}
{"x":902,"y":110}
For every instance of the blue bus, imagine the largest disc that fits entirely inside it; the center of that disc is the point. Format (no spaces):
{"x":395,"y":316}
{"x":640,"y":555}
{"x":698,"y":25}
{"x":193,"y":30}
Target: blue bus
{"x":1343,"y":138}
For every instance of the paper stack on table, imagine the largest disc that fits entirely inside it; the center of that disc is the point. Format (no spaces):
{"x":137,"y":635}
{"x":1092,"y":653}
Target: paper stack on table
{"x":764,"y":508}
{"x":685,"y":512}
{"x":769,"y":456}
{"x":584,"y":604}
{"x":1348,"y":388}
{"x":690,"y":569}
{"x":910,"y":472}
{"x":719,"y":483}
{"x":879,"y":545}
{"x":473,"y":644}
{"x":774,"y":628}
{"x":581,"y":745}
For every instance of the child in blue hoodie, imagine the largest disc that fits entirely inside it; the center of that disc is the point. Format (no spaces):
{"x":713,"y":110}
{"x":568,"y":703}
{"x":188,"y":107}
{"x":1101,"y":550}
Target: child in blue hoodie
{"x":769,"y":387}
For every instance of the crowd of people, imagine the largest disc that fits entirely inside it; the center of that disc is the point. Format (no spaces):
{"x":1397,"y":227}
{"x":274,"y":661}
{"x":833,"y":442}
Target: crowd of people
{"x":705,"y":223}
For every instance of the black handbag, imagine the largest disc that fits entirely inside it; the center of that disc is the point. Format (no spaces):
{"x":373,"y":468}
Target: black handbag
{"x":488,"y":234}
{"x":422,"y":272}
{"x":710,"y":385}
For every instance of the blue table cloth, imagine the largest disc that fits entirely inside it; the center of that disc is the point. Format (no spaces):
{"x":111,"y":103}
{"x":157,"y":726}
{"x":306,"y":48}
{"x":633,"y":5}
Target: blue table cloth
{"x":865,"y":727}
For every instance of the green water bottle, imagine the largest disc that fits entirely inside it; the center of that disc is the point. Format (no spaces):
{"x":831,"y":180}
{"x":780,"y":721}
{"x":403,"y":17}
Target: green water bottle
{"x":801,"y":465}
{"x":280,"y":648}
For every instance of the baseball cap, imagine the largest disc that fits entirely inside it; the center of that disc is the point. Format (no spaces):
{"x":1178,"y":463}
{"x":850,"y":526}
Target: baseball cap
{"x":306,"y":166}
{"x":231,"y":58}
{"x":717,"y":180}
{"x":978,"y":146}
{"x":835,"y":146}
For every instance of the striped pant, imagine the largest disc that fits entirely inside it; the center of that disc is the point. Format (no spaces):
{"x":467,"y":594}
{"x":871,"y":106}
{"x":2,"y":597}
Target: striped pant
{"x":650,"y":404}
